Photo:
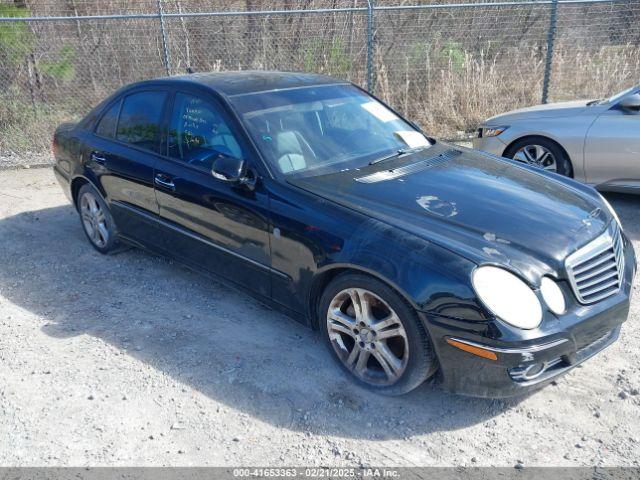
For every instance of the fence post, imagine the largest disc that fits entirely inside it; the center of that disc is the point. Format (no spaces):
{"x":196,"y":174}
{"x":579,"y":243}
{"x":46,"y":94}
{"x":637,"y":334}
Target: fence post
{"x":370,"y":26}
{"x":551,"y":39}
{"x":167,"y":62}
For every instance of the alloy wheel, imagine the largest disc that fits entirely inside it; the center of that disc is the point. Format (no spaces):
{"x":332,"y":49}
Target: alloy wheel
{"x":368,"y":336}
{"x":94,"y":220}
{"x":537,"y":156}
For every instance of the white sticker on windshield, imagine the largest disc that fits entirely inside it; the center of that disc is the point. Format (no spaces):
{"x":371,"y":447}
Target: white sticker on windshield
{"x":379,"y":111}
{"x":413,"y":139}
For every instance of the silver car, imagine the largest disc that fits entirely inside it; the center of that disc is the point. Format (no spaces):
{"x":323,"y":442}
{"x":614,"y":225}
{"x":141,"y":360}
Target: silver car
{"x":596,"y":142}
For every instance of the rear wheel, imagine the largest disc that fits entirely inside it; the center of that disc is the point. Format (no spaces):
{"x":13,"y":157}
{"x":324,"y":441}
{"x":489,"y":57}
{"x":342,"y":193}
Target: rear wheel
{"x":375,"y":335}
{"x":541,"y":152}
{"x":96,"y":219}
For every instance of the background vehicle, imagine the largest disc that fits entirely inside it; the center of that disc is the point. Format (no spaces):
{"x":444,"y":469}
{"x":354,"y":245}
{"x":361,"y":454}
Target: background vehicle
{"x":597,"y":141}
{"x":321,"y":201}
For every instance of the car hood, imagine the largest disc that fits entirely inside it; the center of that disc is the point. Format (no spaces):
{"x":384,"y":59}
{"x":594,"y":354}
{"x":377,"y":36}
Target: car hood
{"x":487,"y":209}
{"x":549,"y":110}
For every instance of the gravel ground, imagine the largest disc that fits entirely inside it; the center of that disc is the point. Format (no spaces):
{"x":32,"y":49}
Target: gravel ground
{"x":9,"y":160}
{"x":134,"y":360}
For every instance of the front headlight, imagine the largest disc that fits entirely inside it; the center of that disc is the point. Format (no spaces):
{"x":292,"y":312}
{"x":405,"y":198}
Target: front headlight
{"x":493,"y":131}
{"x":553,"y":296}
{"x":508,"y":297}
{"x":611,"y":210}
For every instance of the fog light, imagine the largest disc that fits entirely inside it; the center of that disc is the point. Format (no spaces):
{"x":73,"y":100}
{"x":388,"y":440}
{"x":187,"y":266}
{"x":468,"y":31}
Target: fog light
{"x":534,"y":370}
{"x":528,"y":372}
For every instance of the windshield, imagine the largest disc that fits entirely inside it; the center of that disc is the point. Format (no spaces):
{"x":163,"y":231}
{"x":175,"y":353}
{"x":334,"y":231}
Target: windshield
{"x":324,"y":129}
{"x":618,"y":96}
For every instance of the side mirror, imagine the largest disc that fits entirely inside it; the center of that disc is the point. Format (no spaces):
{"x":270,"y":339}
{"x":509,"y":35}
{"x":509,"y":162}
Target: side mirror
{"x":631,"y":102}
{"x":234,"y":170}
{"x":228,"y":169}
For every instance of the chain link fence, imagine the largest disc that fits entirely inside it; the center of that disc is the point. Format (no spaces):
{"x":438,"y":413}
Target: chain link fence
{"x":448,"y":66}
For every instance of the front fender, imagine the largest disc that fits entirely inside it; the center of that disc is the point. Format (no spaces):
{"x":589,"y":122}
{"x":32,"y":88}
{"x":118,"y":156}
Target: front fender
{"x":433,"y":279}
{"x":314,"y":239}
{"x":568,"y":133}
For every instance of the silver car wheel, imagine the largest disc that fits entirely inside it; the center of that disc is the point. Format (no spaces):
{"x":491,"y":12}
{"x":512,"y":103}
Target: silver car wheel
{"x":537,"y":156}
{"x":94,"y":220}
{"x":368,"y":336}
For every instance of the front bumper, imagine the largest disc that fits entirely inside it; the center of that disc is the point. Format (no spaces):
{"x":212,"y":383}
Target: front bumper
{"x":519,"y":366}
{"x":491,"y":145}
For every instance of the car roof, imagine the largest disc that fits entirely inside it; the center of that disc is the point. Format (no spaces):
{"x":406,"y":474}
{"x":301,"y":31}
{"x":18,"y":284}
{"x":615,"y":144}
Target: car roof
{"x":248,"y":81}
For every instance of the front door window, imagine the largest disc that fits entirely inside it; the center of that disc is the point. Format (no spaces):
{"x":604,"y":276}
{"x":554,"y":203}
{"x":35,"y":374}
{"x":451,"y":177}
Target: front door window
{"x":198,"y":133}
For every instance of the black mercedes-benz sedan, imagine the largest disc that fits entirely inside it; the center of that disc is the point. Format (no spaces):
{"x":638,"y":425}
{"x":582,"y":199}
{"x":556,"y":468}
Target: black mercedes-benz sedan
{"x":413,"y":257}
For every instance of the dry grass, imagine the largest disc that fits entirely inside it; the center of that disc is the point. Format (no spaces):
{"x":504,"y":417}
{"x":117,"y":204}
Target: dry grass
{"x":25,"y":127}
{"x":451,"y":99}
{"x":594,"y":74}
{"x":448,"y":97}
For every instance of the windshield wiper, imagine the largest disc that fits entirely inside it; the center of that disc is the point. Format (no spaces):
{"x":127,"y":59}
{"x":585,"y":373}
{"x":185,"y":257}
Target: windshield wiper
{"x":398,"y":153}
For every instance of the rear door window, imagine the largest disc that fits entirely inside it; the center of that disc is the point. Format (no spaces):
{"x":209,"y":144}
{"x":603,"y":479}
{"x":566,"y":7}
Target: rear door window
{"x":140,"y":119}
{"x":107,"y":124}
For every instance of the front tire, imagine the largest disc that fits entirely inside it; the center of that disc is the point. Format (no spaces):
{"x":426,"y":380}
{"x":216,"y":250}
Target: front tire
{"x":541,"y":152}
{"x":96,"y":220}
{"x":375,"y":335}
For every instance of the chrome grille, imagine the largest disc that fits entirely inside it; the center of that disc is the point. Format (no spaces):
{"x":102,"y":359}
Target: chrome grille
{"x":595,"y":271}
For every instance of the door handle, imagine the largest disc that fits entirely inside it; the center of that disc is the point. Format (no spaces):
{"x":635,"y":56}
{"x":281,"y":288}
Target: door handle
{"x":164,"y":181}
{"x":95,"y":157}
